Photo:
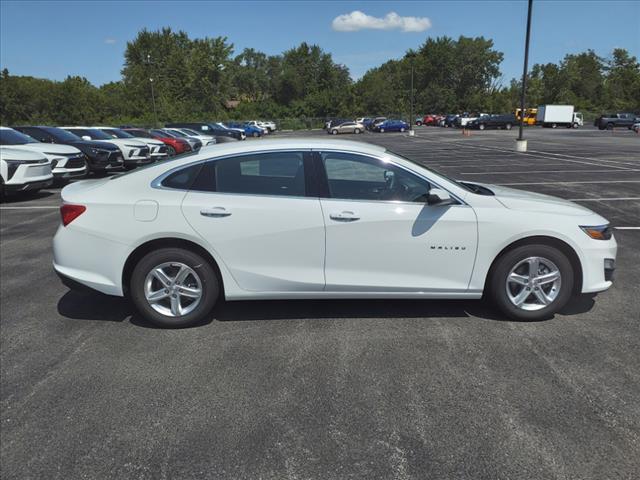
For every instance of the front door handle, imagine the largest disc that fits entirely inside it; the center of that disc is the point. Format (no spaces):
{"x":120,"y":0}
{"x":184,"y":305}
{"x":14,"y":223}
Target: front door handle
{"x":345,"y":216}
{"x":215,"y":212}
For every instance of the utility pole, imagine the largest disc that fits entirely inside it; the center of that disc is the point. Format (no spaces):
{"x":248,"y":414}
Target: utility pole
{"x":153,"y":95}
{"x":411,"y":119}
{"x":521,"y":143}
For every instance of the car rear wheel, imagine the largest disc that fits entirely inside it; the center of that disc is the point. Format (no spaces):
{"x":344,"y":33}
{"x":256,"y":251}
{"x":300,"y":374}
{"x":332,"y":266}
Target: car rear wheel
{"x":418,"y":123}
{"x":256,"y":134}
{"x":481,"y":126}
{"x":174,"y":287}
{"x":357,"y":130}
{"x":508,"y":126}
{"x":554,"y":125}
{"x":609,"y":126}
{"x":382,"y":130}
{"x":531,"y":282}
{"x":402,"y":129}
{"x":334,"y":132}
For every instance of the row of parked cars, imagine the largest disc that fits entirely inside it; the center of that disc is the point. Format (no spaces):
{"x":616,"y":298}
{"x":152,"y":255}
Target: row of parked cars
{"x":359,"y":125}
{"x":33,"y":157}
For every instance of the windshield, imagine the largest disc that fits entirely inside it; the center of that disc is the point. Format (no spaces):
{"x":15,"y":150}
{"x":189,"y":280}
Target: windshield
{"x":191,"y":132}
{"x":466,"y":186}
{"x":177,"y":133}
{"x":62,"y":135}
{"x":94,"y":133}
{"x":13,"y":137}
{"x":117,"y":133}
{"x":163,"y":133}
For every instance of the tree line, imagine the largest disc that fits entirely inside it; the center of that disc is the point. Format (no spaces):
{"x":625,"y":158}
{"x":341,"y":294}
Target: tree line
{"x":202,"y":80}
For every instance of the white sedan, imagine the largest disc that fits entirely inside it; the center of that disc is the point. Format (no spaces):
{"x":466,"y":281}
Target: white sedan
{"x":285,"y":219}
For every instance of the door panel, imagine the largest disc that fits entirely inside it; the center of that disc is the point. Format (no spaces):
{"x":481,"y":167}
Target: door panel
{"x":388,"y":246}
{"x":381,"y":235}
{"x":258,"y":221}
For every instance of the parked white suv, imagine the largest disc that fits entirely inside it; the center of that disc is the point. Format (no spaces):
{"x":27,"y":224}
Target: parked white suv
{"x":23,"y":170}
{"x":157,"y":149}
{"x":134,"y":151}
{"x":206,"y":140}
{"x":66,"y":161}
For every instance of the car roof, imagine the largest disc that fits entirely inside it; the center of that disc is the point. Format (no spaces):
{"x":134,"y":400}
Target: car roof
{"x":268,"y":144}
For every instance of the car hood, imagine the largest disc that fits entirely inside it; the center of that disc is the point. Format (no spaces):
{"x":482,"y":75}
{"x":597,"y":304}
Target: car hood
{"x":535,"y":202}
{"x":52,"y":148}
{"x":126,"y":142}
{"x":94,"y":144}
{"x":147,"y":141}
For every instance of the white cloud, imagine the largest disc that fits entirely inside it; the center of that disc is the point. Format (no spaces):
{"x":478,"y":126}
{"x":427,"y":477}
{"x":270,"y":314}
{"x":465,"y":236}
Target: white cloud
{"x":357,"y":20}
{"x":110,"y":41}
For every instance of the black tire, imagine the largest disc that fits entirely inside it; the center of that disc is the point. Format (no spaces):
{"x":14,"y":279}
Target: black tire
{"x":256,"y":134}
{"x":481,"y":126}
{"x":402,"y":129}
{"x":205,"y":272}
{"x":497,"y":282}
{"x":382,"y":130}
{"x":609,"y":126}
{"x":357,"y":130}
{"x":334,"y":132}
{"x":171,"y":151}
{"x":554,"y":125}
{"x":419,"y":124}
{"x":508,"y":126}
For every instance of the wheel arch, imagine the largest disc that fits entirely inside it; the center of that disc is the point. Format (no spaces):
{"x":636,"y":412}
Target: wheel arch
{"x":561,"y":245}
{"x":166,"y":242}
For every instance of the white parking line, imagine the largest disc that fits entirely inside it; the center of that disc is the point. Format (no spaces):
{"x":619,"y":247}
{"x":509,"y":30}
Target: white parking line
{"x":552,"y":171}
{"x":570,"y":183}
{"x":606,"y":199}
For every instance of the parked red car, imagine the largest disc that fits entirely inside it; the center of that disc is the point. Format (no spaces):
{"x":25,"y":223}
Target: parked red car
{"x":175,"y":146}
{"x":431,"y":119}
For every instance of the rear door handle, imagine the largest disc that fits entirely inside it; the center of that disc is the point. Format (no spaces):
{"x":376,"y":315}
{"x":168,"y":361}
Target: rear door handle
{"x":345,"y":216}
{"x":215,"y":212}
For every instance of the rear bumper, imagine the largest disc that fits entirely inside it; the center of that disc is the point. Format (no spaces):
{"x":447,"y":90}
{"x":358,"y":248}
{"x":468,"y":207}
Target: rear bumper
{"x":92,"y":261}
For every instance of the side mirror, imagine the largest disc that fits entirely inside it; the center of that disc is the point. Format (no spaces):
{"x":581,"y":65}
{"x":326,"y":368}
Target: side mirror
{"x":86,"y":137}
{"x":440,"y":197}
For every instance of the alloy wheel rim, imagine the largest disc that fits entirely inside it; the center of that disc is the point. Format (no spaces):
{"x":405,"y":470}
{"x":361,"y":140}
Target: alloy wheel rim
{"x":173,"y":289}
{"x":533,"y":283}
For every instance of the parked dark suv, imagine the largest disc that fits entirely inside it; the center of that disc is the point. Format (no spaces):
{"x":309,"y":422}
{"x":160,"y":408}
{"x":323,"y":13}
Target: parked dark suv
{"x":611,"y":120}
{"x":101,"y":156}
{"x":493,"y":121}
{"x":208,"y":129}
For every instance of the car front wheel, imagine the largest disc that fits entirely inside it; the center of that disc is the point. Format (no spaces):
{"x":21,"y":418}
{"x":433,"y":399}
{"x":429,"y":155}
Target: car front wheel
{"x":334,"y":132}
{"x":174,"y":287}
{"x":357,"y":130}
{"x":531,"y":282}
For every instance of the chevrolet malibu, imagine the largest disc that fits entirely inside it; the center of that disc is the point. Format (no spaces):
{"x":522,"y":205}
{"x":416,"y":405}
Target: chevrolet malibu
{"x":292,"y":219}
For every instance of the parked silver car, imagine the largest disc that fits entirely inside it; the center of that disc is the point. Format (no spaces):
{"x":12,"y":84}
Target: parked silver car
{"x":346,"y":127}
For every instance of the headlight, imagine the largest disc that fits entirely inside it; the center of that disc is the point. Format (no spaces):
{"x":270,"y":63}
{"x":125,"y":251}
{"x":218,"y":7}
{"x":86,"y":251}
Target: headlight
{"x":599,"y":232}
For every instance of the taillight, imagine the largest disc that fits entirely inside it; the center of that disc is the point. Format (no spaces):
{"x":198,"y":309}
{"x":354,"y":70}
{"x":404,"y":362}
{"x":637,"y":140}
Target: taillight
{"x":70,"y":212}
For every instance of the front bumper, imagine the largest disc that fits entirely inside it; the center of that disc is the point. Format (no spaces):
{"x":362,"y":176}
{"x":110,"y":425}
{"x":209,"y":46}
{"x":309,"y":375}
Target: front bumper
{"x":598,"y":265}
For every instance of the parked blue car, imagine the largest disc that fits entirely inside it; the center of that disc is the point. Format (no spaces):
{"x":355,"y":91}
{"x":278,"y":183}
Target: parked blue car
{"x":391,"y":126}
{"x":249,"y":130}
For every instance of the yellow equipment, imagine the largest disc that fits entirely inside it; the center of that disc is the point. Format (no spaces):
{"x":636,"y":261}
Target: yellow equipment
{"x":529,"y":115}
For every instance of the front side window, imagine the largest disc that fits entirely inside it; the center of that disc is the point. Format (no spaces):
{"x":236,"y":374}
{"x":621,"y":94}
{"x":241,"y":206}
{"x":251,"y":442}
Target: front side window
{"x":274,"y":173}
{"x":357,"y":177}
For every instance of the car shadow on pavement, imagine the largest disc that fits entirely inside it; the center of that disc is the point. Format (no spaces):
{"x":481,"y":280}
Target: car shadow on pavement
{"x":97,"y":307}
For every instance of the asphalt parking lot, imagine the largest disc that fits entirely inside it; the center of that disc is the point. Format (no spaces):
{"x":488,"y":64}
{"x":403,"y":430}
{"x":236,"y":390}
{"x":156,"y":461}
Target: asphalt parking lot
{"x":335,"y":389}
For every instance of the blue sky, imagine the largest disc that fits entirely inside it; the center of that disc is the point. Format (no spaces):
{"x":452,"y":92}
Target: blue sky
{"x":53,"y":39}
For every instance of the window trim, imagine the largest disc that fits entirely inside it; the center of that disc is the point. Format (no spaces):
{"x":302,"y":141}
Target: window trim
{"x":311,"y":191}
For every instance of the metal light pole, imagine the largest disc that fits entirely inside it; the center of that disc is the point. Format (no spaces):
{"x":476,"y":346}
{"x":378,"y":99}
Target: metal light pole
{"x":521,"y":144}
{"x":411,"y":132}
{"x":153,"y":95}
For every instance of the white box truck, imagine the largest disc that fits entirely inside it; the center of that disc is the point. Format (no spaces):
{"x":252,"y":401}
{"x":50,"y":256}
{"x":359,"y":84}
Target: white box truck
{"x":558,"y":115}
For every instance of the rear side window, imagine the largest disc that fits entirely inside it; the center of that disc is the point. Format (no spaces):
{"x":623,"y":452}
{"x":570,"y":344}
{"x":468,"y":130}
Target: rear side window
{"x":276,"y":173}
{"x":182,"y":179}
